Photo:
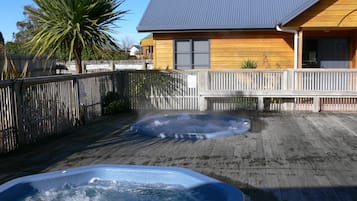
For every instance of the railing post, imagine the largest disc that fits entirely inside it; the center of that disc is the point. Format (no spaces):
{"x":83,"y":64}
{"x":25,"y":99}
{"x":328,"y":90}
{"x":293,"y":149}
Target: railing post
{"x":285,"y":80}
{"x":294,"y":80}
{"x":288,"y":80}
{"x":202,"y":87}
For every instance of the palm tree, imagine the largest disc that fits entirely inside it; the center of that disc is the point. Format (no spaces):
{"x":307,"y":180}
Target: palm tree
{"x":74,"y":26}
{"x":2,"y":44}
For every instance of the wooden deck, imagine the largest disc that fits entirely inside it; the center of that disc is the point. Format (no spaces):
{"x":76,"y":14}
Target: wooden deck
{"x":286,"y":156}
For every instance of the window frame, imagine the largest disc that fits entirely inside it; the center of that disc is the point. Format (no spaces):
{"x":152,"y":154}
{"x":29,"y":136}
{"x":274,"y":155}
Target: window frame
{"x":192,"y":54}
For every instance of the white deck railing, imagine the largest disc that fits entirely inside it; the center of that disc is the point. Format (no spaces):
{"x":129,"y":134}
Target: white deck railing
{"x":246,"y":80}
{"x":273,"y":80}
{"x":325,"y":80}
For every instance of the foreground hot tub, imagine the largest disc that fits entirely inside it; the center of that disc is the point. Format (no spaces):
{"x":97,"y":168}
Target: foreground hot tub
{"x":177,"y":182}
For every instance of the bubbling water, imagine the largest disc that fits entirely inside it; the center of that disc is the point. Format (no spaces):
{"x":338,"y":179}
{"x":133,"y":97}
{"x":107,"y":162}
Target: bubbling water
{"x":105,"y":190}
{"x":198,"y":126}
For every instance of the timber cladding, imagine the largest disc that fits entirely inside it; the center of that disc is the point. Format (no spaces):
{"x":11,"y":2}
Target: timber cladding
{"x":228,"y":50}
{"x":328,"y":13}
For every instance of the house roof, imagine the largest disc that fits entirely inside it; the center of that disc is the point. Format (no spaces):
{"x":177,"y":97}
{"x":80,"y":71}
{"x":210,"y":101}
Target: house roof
{"x":135,"y":46}
{"x":147,"y":41}
{"x":184,"y":15}
{"x":150,"y":36}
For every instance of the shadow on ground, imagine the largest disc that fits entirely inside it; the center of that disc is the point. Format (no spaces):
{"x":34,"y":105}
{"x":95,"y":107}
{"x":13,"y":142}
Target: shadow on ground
{"x":345,"y":193}
{"x":35,"y":158}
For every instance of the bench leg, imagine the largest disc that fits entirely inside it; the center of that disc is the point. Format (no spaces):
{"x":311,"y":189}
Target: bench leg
{"x":203,"y":104}
{"x":316,"y":105}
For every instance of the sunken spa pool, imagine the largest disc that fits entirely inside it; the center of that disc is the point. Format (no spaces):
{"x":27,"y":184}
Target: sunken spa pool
{"x":119,"y":183}
{"x":192,"y":126}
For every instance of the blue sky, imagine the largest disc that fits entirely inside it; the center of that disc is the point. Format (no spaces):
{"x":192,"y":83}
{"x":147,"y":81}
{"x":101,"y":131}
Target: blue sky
{"x":12,"y":12}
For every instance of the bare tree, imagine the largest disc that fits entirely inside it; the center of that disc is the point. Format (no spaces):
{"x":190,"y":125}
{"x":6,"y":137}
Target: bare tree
{"x":126,"y":43}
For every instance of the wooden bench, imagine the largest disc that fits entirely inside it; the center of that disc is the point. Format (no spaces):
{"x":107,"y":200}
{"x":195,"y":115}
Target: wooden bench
{"x":316,"y":95}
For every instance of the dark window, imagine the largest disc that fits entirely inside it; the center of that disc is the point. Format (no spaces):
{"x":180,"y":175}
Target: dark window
{"x":192,"y":54}
{"x":326,"y":52}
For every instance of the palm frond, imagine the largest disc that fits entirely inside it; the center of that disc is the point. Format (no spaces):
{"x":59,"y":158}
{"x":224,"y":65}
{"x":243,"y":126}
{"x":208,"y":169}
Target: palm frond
{"x":74,"y":25}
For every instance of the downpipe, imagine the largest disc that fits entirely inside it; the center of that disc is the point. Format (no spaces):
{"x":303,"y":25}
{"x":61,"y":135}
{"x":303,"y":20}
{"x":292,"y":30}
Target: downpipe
{"x":296,"y":43}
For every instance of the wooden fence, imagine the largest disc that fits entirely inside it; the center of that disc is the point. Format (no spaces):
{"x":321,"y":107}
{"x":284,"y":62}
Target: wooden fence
{"x":35,"y":108}
{"x":41,"y":66}
{"x":92,"y":66}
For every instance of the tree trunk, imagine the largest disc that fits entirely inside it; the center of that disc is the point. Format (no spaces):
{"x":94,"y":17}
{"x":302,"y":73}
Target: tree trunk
{"x":78,"y":58}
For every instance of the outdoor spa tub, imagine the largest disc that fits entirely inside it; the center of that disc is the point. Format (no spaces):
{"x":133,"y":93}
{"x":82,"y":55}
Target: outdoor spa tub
{"x":119,"y":182}
{"x":192,"y":126}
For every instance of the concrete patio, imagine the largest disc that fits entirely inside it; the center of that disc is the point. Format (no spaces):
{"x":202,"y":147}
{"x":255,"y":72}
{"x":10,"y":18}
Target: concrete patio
{"x":286,"y":156}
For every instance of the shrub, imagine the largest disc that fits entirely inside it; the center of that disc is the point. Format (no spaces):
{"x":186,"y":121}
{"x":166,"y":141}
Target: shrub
{"x":249,"y":64}
{"x":114,"y":103}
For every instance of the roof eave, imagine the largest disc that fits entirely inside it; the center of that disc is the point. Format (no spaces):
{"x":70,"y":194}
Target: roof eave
{"x":202,"y":29}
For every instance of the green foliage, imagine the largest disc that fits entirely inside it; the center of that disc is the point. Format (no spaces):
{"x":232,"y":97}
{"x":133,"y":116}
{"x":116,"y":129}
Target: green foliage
{"x":16,"y":48}
{"x":26,"y":27}
{"x":249,"y":64}
{"x":155,"y":83}
{"x":91,"y":54}
{"x":9,"y":70}
{"x":114,"y":103}
{"x":74,"y":26}
{"x":107,"y":55}
{"x":2,"y":41}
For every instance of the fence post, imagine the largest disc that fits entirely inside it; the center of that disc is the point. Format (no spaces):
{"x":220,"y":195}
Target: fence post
{"x":202,"y":87}
{"x":84,"y":67}
{"x":114,"y":81}
{"x":75,"y":97}
{"x":18,"y":108}
{"x":112,"y":65}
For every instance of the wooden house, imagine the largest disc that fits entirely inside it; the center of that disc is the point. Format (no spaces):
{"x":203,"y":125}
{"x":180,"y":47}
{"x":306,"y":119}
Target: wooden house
{"x":276,"y":34}
{"x":135,"y":50}
{"x":147,"y":46}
